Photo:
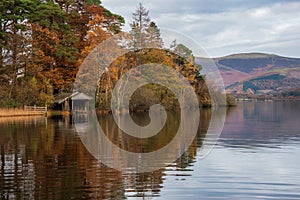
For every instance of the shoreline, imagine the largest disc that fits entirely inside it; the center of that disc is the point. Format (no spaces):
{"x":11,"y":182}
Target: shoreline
{"x":265,"y":99}
{"x":18,"y":112}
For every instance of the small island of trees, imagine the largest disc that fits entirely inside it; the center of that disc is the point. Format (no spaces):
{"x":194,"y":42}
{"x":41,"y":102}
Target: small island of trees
{"x":43,"y":44}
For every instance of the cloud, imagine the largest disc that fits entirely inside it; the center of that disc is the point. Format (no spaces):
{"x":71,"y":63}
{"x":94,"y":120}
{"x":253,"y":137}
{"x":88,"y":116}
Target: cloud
{"x":228,"y":26}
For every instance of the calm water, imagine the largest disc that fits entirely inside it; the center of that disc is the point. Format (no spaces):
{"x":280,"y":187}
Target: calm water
{"x":256,"y":157}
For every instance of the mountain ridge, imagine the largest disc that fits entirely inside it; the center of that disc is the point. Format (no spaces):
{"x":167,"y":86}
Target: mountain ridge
{"x":251,"y":73}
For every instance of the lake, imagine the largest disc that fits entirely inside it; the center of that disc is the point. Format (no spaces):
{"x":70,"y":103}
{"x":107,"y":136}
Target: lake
{"x":256,"y":157}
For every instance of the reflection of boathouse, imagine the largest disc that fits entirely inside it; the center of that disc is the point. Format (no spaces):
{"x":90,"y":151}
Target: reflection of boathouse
{"x":75,"y":101}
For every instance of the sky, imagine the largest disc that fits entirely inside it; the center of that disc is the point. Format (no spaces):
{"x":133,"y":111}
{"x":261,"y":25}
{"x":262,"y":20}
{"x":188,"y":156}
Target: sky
{"x":223,"y":27}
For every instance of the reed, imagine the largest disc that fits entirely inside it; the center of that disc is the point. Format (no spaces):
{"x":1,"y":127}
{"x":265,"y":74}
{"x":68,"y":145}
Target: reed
{"x":12,"y":112}
{"x":23,"y":119}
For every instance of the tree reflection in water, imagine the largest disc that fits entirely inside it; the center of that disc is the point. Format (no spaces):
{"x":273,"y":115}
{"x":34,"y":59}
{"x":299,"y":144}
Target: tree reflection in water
{"x":44,"y":158}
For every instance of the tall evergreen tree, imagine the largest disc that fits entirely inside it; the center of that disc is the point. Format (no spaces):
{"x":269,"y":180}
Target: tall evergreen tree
{"x":139,"y":26}
{"x":53,"y":38}
{"x":13,"y":39}
{"x":144,"y":32}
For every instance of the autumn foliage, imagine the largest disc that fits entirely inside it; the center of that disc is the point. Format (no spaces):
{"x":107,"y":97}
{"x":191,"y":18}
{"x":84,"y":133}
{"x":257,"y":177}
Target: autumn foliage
{"x":43,"y":44}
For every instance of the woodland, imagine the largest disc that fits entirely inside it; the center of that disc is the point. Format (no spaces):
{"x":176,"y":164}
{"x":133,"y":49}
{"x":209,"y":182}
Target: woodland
{"x":43,"y":44}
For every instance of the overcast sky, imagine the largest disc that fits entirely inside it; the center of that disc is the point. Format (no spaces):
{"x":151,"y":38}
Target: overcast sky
{"x":225,"y":27}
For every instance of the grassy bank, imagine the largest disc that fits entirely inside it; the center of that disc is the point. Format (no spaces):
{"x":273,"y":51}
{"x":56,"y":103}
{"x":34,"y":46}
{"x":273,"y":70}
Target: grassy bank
{"x":22,"y":119}
{"x":12,"y":112}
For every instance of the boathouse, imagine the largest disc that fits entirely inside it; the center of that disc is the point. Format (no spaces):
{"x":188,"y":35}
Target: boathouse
{"x":75,"y":101}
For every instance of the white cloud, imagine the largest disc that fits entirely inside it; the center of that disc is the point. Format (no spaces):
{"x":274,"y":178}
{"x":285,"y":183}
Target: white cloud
{"x":232,"y":27}
{"x":260,"y":13}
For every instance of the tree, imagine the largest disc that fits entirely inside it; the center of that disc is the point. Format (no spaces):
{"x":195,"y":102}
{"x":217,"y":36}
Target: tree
{"x":139,"y":26}
{"x":145,"y":33}
{"x":66,"y":31}
{"x":47,"y":41}
{"x":184,"y":52}
{"x":13,"y":40}
{"x":53,"y":37}
{"x":43,"y":43}
{"x":154,"y":40}
{"x":173,"y":45}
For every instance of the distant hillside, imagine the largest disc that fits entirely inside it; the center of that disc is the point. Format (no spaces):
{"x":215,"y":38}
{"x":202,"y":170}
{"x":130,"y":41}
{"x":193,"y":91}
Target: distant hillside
{"x":254,"y":73}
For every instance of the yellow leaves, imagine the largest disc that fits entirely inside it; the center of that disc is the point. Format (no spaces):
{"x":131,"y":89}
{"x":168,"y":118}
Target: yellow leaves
{"x":94,"y":36}
{"x":96,"y":33}
{"x":44,"y":33}
{"x":96,"y":20}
